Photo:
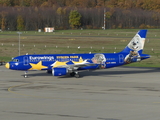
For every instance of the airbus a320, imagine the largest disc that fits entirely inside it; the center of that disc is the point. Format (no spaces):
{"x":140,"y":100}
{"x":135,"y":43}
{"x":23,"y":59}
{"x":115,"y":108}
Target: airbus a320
{"x":63,"y":64}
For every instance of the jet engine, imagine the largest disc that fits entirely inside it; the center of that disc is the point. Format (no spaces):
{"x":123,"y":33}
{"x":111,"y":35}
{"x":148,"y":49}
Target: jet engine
{"x":59,"y":71}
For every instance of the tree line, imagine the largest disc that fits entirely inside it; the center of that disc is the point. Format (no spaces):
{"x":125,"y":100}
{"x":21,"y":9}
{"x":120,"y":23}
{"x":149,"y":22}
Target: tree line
{"x":126,"y":4}
{"x":88,"y":14}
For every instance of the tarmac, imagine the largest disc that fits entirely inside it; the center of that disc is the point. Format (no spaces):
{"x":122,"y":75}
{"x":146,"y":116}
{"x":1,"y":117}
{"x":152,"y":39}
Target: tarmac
{"x":120,"y":93}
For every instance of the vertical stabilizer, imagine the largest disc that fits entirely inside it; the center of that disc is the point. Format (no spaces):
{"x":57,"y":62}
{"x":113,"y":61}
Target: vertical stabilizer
{"x":137,"y":43}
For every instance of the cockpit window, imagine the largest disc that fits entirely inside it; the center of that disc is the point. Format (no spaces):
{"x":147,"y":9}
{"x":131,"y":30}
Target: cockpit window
{"x":15,"y":60}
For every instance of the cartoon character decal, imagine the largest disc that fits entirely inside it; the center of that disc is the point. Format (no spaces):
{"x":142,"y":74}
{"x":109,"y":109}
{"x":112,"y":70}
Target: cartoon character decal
{"x":135,"y":45}
{"x":132,"y":57}
{"x":99,"y":59}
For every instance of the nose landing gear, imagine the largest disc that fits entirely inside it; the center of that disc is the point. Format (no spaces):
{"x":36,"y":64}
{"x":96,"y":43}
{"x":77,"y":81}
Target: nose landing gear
{"x":25,"y":74}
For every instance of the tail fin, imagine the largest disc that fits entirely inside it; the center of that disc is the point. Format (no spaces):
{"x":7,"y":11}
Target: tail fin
{"x":137,"y":43}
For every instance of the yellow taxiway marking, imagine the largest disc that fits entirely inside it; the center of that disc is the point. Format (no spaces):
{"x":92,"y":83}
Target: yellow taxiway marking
{"x":10,"y":89}
{"x":27,"y":95}
{"x":156,"y":102}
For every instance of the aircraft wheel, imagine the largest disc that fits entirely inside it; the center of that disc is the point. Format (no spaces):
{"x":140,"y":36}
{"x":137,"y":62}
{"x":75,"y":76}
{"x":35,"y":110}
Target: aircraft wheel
{"x":77,"y":75}
{"x":49,"y":71}
{"x":25,"y":76}
{"x":72,"y":74}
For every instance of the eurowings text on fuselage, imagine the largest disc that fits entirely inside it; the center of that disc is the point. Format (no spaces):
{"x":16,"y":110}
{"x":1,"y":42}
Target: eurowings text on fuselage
{"x":62,"y":64}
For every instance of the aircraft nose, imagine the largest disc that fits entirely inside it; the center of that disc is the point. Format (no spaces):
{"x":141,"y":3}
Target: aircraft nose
{"x":7,"y":65}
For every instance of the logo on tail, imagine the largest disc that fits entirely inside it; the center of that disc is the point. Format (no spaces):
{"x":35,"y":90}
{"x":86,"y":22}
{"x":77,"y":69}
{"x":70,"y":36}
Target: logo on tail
{"x":137,"y":43}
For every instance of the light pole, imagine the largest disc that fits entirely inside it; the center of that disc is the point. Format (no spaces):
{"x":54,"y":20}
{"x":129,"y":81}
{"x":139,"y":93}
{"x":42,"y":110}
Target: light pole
{"x":19,"y":42}
{"x":104,"y":19}
{"x":104,"y":27}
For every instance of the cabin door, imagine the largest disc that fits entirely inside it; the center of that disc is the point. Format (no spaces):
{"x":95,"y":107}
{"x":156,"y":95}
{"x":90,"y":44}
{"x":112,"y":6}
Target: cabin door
{"x":25,"y":60}
{"x":121,"y":58}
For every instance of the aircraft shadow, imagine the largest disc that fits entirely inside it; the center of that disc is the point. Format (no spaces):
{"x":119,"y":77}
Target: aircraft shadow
{"x":118,"y":72}
{"x":102,"y":72}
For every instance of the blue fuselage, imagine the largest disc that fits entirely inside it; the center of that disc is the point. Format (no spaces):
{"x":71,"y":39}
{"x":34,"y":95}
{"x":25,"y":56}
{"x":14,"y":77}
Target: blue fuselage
{"x":49,"y":61}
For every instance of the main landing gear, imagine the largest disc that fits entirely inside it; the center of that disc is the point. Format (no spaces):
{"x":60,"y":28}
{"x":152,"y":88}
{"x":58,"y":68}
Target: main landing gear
{"x":74,"y":74}
{"x":49,"y":71}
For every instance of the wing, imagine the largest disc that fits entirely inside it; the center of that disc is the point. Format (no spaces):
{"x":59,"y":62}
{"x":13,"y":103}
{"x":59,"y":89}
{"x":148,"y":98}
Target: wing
{"x":74,"y":67}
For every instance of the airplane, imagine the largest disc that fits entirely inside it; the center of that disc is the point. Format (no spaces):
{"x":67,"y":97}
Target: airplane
{"x":63,"y":64}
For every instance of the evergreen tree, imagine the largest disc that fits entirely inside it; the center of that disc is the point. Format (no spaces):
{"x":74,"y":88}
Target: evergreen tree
{"x":74,"y":19}
{"x":20,"y":23}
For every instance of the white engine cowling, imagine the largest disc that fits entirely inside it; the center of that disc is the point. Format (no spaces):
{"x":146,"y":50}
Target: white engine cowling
{"x":59,"y":71}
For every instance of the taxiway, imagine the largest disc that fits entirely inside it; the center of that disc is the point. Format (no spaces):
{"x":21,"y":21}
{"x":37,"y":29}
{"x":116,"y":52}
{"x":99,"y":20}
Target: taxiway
{"x":121,"y":93}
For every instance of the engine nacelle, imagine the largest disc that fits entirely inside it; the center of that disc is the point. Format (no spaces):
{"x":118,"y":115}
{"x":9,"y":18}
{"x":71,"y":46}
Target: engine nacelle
{"x":59,"y":71}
